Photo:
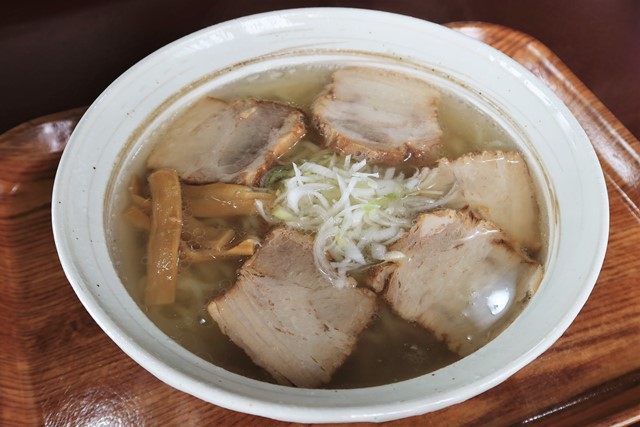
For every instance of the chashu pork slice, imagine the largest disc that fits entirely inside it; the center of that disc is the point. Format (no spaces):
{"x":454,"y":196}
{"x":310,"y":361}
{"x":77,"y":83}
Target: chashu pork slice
{"x":496,"y":186}
{"x":460,"y":278}
{"x":218,"y":141}
{"x":380,"y":115}
{"x":287,"y":317}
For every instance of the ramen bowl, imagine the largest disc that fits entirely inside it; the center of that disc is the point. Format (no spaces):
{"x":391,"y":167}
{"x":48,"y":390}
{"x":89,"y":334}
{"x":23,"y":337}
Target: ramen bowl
{"x":111,"y":136}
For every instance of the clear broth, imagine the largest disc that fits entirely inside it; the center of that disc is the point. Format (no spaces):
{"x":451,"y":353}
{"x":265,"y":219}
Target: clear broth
{"x":390,"y":349}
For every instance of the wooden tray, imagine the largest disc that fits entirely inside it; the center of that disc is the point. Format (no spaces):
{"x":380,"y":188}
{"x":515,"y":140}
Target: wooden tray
{"x":58,"y":368}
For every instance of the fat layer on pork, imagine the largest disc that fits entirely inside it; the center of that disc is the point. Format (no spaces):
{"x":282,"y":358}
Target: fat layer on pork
{"x":288,"y":317}
{"x":383,"y":116}
{"x":218,"y":141}
{"x":461,"y":278}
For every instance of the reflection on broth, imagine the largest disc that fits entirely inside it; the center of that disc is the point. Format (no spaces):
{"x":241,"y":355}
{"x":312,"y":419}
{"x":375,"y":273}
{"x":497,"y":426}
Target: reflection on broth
{"x":405,"y":237}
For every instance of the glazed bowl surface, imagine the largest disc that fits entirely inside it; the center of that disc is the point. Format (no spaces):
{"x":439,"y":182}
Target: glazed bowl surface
{"x":111,"y":137}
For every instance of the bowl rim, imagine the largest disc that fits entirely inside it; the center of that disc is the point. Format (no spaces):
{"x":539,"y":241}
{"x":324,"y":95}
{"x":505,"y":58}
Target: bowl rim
{"x":283,"y":410}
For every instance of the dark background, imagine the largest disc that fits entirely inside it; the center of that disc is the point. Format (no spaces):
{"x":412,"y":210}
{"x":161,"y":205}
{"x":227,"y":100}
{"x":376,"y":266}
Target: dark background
{"x":60,"y":55}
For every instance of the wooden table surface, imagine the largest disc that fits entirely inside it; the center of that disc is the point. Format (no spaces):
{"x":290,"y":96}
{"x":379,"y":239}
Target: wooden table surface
{"x":58,"y":368}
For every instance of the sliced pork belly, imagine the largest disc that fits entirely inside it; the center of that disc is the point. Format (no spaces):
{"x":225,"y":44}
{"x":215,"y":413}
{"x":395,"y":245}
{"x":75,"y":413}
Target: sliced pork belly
{"x":229,"y":142}
{"x":496,"y":186}
{"x":287,"y":317}
{"x":461,"y":278}
{"x":379,"y":115}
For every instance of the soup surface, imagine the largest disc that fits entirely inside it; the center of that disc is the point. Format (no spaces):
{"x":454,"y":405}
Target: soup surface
{"x":390,"y":348}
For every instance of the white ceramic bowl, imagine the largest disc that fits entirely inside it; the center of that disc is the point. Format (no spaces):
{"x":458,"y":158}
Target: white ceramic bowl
{"x":110,"y":137}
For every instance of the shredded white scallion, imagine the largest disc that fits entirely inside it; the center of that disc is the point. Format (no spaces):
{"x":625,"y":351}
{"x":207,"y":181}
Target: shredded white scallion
{"x":355,"y":209}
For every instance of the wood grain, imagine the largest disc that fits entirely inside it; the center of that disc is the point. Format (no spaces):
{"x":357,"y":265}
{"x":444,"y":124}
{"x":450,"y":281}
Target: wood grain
{"x":58,"y":368}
